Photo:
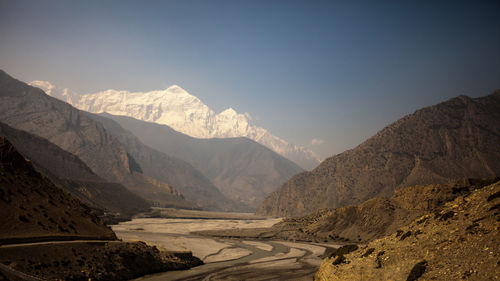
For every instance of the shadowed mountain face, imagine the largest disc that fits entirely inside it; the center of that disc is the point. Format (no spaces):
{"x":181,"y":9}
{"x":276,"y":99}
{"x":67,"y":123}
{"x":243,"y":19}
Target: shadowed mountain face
{"x":69,"y":172}
{"x":458,"y":138}
{"x":32,"y":207}
{"x":194,"y":185}
{"x":242,"y":169}
{"x":30,"y":109}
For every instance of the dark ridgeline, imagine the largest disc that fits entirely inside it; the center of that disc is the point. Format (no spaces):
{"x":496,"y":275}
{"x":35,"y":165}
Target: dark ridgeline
{"x":30,"y":109}
{"x":245,"y":171}
{"x":459,"y":138}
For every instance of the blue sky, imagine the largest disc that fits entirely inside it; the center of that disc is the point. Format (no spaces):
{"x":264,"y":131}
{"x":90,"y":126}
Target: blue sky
{"x":336,"y":71}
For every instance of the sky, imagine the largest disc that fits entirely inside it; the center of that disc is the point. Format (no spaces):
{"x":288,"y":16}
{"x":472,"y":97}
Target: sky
{"x":323,"y":74}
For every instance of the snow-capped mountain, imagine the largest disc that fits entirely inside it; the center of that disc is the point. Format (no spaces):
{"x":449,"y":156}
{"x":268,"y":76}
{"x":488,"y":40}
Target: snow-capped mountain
{"x":183,"y":112}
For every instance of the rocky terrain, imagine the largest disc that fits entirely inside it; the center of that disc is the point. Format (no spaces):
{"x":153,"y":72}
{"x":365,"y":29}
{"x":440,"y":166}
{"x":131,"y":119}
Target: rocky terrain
{"x":460,"y":242}
{"x":190,"y":182}
{"x":242,"y":169}
{"x":30,"y":109}
{"x":46,"y":233}
{"x":70,"y":173}
{"x":92,"y":260}
{"x":34,"y":209}
{"x":183,"y":112}
{"x":379,"y":216}
{"x":455,"y":139}
{"x":374,"y":218}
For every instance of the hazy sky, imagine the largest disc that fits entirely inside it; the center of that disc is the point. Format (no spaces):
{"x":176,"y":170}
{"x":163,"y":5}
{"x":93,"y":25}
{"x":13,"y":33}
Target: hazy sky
{"x":333,"y":71}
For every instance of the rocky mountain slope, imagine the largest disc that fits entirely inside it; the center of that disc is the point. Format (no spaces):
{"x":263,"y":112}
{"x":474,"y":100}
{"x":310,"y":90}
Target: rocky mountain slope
{"x":242,"y":169}
{"x":34,"y":209}
{"x":193,"y":184}
{"x":461,"y":242}
{"x":70,"y":173}
{"x":30,"y":109}
{"x":183,"y":112}
{"x":458,"y":138}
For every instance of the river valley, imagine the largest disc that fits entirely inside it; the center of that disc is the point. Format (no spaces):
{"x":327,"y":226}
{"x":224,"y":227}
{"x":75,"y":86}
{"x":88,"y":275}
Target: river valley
{"x":225,"y":258}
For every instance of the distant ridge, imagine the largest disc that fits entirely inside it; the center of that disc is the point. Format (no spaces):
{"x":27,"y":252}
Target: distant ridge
{"x":243,"y":170}
{"x":458,"y":138}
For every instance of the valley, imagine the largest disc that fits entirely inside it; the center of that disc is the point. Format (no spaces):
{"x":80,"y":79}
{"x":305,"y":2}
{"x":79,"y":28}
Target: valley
{"x":249,"y":140}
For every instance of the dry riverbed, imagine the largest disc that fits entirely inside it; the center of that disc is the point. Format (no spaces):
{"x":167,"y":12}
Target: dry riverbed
{"x":225,"y":258}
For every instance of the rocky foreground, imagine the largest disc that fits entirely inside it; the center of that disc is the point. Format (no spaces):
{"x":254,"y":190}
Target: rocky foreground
{"x":91,"y":260}
{"x":460,"y":242}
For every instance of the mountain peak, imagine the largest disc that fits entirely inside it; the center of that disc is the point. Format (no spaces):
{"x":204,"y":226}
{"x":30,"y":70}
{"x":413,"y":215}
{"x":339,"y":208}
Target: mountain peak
{"x":176,"y":88}
{"x":46,"y":86}
{"x":229,"y":112}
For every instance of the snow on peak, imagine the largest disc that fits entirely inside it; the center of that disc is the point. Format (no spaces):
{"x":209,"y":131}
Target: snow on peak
{"x":229,"y":112}
{"x":183,"y":112}
{"x":46,"y":86}
{"x":175,"y":88}
{"x":56,"y":92}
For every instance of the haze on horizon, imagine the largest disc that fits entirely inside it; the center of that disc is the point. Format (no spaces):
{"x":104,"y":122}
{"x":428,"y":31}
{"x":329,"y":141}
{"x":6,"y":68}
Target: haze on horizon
{"x":325,"y":74}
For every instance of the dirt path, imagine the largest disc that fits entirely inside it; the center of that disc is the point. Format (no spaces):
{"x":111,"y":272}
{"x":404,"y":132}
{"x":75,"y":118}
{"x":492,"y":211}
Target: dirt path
{"x":57,"y":242}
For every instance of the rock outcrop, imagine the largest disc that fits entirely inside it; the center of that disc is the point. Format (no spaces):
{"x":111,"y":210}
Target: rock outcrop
{"x":461,"y":242}
{"x":455,"y":139}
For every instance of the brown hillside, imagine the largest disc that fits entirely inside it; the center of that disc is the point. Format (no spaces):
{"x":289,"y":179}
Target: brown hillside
{"x":34,"y":209}
{"x":68,"y":171}
{"x":459,"y":138}
{"x":376,"y":217}
{"x":461,"y":242}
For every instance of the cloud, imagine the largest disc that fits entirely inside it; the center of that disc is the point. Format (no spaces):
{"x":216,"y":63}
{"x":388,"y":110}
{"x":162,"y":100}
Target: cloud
{"x":315,"y":141}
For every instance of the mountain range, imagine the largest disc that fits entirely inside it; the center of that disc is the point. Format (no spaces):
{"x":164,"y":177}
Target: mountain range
{"x":161,"y":165}
{"x":458,"y":138}
{"x":183,"y":112}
